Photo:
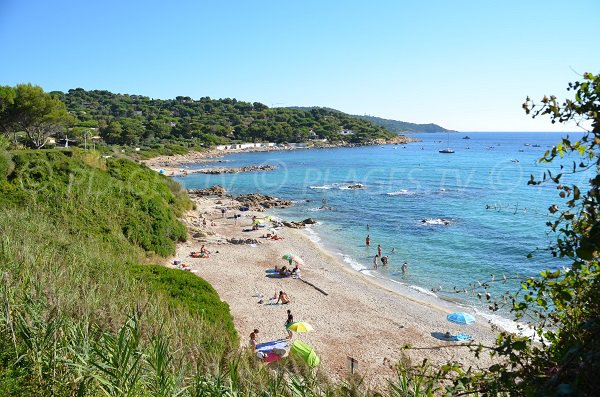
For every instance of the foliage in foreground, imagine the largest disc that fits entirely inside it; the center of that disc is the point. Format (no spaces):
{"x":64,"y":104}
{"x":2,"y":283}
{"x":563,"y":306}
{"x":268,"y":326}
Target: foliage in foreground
{"x":562,"y":306}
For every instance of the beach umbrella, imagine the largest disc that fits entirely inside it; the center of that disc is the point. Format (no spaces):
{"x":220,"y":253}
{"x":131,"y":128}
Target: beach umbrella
{"x":461,"y":318}
{"x":300,"y":326}
{"x":293,"y":258}
{"x":306,"y":352}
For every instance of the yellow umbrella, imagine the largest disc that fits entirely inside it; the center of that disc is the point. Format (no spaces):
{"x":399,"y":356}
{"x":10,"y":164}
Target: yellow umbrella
{"x":300,"y":326}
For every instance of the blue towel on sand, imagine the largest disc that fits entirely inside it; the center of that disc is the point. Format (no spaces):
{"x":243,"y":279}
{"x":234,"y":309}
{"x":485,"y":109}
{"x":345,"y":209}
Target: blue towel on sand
{"x":269,"y":346}
{"x":461,"y":337}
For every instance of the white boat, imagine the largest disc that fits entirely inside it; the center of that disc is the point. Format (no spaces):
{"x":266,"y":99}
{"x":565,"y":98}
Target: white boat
{"x":448,"y":149}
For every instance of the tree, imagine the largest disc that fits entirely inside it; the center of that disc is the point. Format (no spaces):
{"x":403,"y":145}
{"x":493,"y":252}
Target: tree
{"x":564,"y":305}
{"x":7,"y":101}
{"x":34,"y":112}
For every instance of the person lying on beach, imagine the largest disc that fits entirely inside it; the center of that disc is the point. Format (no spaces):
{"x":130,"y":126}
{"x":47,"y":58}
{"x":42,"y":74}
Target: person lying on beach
{"x":276,"y":237}
{"x":283,"y":297}
{"x":284,"y":271}
{"x":197,"y":254}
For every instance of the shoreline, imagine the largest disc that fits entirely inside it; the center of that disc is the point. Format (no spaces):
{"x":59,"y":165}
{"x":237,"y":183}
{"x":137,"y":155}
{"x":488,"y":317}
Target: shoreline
{"x":209,"y":155}
{"x":362,"y":317}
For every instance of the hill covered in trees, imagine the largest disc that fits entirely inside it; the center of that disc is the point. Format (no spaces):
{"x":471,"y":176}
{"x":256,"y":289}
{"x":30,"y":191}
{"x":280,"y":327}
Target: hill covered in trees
{"x":400,"y":127}
{"x":395,"y":126}
{"x":140,"y":120}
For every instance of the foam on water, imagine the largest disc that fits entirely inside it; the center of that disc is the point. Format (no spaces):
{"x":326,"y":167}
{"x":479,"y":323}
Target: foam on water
{"x":312,"y":235}
{"x":436,"y":221}
{"x":402,"y":192}
{"x":422,"y":290}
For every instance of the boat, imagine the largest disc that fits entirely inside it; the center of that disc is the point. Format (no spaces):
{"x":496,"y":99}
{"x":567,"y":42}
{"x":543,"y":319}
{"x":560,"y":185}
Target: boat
{"x":448,"y":149}
{"x":466,"y":137}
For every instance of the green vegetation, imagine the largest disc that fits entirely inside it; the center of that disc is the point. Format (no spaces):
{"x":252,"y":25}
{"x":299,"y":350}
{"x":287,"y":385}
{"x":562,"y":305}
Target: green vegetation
{"x":400,"y":127}
{"x":139,"y":120}
{"x":26,"y":108}
{"x":561,"y":305}
{"x":80,"y":309}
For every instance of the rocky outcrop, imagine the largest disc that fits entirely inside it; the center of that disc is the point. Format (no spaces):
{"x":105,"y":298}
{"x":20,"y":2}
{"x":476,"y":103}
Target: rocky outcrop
{"x":260,"y":202}
{"x":356,"y":186}
{"x":300,"y":224}
{"x":216,"y":190}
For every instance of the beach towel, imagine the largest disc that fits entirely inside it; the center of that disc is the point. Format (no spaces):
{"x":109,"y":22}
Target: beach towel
{"x":462,"y":337}
{"x":270,"y":346}
{"x":272,"y":357}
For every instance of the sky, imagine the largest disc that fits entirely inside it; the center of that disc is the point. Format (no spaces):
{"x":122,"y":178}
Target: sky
{"x":467,"y":65}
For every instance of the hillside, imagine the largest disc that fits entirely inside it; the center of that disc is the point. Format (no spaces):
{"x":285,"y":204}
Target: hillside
{"x":395,"y":126}
{"x":401,"y":127}
{"x":139,"y":120}
{"x":82,"y":311}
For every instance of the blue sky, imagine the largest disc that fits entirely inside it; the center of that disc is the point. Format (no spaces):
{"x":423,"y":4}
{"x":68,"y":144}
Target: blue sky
{"x":466,"y":65}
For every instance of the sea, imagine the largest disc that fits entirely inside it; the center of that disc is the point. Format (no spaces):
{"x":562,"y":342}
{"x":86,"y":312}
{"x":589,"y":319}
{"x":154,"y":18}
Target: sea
{"x":459,"y":220}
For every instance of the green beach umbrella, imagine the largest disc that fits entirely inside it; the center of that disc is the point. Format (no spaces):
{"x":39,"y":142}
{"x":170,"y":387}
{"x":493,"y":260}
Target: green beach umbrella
{"x":305,"y":352}
{"x":293,"y":258}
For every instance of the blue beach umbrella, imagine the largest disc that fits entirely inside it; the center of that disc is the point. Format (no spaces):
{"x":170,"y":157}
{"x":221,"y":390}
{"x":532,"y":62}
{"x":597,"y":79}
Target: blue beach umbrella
{"x":461,"y":318}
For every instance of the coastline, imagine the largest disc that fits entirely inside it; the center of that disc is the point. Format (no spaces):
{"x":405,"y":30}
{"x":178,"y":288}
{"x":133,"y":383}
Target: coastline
{"x":361,"y":317}
{"x":174,"y":162}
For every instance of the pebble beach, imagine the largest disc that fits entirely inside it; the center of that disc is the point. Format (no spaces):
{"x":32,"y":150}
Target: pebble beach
{"x":353,"y":314}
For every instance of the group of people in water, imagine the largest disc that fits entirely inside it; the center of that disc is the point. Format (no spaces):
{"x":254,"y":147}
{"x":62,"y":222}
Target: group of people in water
{"x":380,"y":257}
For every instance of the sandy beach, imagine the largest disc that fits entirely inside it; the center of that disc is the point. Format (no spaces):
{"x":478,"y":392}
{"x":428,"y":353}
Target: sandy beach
{"x":361,"y":316}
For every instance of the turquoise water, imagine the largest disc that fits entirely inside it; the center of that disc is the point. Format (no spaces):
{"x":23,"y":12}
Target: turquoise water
{"x":455,"y":218}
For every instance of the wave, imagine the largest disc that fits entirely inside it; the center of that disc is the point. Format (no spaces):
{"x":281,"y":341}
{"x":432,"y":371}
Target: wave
{"x":321,"y":209}
{"x":509,"y":325}
{"x":312,"y":235}
{"x":422,"y":290}
{"x":436,"y":221}
{"x":352,"y":262}
{"x":340,"y":186}
{"x":402,"y":192}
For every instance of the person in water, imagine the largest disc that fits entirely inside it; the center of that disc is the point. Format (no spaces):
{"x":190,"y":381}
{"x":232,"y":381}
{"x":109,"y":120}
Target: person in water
{"x":384,"y":260}
{"x":379,"y":250}
{"x":368,"y":240}
{"x":375,"y":261}
{"x":404,"y":267}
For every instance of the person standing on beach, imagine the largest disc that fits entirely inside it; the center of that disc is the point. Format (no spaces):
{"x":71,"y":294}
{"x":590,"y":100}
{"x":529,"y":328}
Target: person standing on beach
{"x":288,"y":322}
{"x":379,"y":250}
{"x":368,"y":240}
{"x":223,"y":212}
{"x":404,"y":267}
{"x":253,"y":340}
{"x":375,"y":261}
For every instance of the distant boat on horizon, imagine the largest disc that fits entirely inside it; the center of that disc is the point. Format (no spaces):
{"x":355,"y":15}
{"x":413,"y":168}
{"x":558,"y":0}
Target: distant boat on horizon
{"x":466,"y":137}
